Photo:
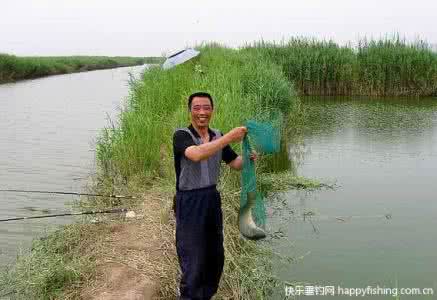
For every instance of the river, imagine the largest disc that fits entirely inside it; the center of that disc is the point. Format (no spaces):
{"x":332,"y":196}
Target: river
{"x":378,"y":227}
{"x":48,"y":129}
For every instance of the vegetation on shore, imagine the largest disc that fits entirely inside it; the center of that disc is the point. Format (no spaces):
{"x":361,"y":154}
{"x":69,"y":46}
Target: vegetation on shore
{"x":245,"y":85}
{"x":54,"y":263}
{"x":136,"y":154}
{"x":13,"y":68}
{"x":384,"y":67}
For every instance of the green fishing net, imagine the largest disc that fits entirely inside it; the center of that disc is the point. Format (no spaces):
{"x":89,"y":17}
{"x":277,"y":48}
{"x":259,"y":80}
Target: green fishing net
{"x":263,"y":137}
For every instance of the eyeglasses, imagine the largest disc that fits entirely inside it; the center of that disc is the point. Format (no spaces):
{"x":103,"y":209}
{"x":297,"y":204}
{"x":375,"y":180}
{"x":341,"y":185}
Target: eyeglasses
{"x":199,"y":107}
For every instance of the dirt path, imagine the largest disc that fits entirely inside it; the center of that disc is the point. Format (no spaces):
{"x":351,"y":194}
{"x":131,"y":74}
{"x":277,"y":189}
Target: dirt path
{"x":137,"y":259}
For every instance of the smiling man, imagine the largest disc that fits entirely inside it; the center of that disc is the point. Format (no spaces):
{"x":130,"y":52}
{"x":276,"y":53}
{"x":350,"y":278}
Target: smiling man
{"x":198,"y":152}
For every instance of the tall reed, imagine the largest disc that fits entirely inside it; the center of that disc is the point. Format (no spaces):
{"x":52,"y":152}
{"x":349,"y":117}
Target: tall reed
{"x":392,"y":66}
{"x":386,"y":67}
{"x":243,"y":85}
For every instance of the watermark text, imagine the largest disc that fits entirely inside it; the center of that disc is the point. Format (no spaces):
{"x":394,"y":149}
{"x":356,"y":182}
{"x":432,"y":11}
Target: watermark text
{"x":314,"y":290}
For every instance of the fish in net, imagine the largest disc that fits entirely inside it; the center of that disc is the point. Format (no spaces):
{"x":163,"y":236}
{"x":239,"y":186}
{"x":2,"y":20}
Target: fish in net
{"x":264,"y":138}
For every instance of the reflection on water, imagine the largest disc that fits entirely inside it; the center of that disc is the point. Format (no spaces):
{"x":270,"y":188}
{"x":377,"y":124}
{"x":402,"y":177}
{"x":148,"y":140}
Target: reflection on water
{"x":47,"y":132}
{"x":379,"y":226}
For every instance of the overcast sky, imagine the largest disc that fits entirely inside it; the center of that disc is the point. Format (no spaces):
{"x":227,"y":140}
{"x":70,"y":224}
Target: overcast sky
{"x":150,"y":28}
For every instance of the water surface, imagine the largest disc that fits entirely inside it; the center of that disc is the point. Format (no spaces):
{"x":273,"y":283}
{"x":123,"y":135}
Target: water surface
{"x":48,"y":128}
{"x":378,"y":228}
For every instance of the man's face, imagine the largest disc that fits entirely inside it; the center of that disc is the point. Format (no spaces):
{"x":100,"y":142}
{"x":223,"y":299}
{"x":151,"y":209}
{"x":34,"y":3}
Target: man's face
{"x":201,"y":111}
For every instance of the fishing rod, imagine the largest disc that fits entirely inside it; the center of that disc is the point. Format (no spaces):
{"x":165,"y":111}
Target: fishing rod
{"x":314,"y":217}
{"x":65,"y":193}
{"x":90,"y":212}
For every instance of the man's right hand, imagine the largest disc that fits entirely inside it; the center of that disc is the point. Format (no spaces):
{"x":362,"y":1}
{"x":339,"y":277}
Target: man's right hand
{"x":237,"y":134}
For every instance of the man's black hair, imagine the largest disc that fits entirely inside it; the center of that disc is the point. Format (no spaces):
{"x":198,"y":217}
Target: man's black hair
{"x":200,"y":94}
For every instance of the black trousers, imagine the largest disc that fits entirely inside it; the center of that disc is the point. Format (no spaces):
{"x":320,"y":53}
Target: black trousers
{"x":199,"y":242}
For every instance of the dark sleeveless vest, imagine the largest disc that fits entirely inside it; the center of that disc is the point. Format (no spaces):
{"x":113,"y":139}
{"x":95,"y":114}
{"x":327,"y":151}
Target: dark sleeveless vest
{"x":202,"y":174}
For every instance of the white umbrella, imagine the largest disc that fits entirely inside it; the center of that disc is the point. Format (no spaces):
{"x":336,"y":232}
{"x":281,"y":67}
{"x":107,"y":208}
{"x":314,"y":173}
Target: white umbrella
{"x":179,"y":58}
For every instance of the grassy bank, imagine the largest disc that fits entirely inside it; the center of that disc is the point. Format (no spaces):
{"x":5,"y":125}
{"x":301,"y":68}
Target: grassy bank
{"x":385,"y":67}
{"x":13,"y":68}
{"x":245,"y":85}
{"x":54,"y":263}
{"x":136,"y":156}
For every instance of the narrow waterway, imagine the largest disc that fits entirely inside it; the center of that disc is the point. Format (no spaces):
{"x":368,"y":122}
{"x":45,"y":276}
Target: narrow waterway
{"x":378,"y":227}
{"x":48,"y":129}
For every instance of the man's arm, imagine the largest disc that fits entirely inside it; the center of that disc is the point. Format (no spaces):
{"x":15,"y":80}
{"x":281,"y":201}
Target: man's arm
{"x":201,"y":152}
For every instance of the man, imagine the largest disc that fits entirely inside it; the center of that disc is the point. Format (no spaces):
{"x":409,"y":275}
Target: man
{"x":198,"y":152}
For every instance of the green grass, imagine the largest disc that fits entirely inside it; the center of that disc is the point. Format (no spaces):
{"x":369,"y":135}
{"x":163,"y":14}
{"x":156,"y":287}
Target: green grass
{"x":137,"y":155}
{"x":385,"y":67}
{"x":137,"y":152}
{"x":244,"y":85}
{"x":54,"y":262}
{"x":13,"y":68}
{"x":283,"y":181}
